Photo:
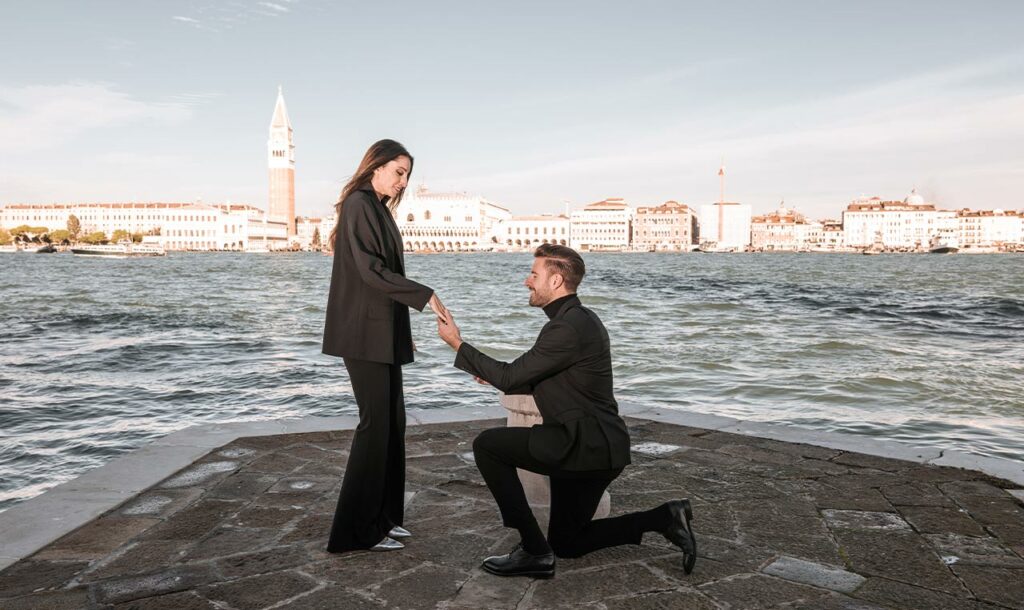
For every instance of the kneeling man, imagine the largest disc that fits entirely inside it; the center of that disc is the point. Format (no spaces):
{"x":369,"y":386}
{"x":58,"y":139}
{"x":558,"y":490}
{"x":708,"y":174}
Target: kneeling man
{"x":582,"y":445}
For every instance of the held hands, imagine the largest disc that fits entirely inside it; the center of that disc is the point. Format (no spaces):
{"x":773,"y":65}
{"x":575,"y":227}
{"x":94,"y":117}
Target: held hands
{"x":449,"y":331}
{"x":437,"y":307}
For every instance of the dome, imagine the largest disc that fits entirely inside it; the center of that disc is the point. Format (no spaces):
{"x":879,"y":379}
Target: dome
{"x":913,"y":198}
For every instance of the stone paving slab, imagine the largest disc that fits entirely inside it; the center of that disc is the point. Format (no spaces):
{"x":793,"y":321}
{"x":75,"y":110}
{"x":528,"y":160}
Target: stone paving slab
{"x":779,"y":525}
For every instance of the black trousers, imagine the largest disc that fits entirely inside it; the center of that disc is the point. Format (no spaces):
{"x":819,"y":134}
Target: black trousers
{"x":372,"y":498}
{"x":572,"y":531}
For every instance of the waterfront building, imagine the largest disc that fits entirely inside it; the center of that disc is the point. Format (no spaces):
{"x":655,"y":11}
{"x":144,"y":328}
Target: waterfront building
{"x":525,"y":233}
{"x":900,"y":225}
{"x":671,"y":226}
{"x":831,"y":237}
{"x":281,"y":163}
{"x":180,"y":226}
{"x":306,"y":228}
{"x":605,"y":225}
{"x":725,"y":225}
{"x":449,"y":222}
{"x":783,"y":229}
{"x":989,"y":229}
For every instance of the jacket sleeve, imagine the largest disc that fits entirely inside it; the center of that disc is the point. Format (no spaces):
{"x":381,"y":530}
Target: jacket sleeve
{"x":554,"y":352}
{"x":362,"y":236}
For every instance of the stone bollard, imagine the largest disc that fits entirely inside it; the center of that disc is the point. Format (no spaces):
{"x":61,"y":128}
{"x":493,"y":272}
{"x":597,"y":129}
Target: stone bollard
{"x":522,"y":412}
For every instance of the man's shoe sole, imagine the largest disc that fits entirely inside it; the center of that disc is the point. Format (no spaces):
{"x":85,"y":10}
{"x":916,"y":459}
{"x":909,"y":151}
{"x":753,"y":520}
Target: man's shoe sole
{"x":534,"y":574}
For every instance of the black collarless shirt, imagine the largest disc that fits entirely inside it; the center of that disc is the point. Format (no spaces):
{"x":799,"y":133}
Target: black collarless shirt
{"x":552,"y":308}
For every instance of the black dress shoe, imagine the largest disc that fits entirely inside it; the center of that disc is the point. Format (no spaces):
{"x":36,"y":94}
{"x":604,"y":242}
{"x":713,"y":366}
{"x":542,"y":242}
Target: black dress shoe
{"x":680,"y":533}
{"x":521,"y":563}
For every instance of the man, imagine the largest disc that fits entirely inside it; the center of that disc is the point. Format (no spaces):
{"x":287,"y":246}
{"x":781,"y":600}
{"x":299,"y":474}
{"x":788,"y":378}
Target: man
{"x":583,"y":444}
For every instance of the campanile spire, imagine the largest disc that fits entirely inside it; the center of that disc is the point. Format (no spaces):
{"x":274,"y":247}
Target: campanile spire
{"x":281,"y":163}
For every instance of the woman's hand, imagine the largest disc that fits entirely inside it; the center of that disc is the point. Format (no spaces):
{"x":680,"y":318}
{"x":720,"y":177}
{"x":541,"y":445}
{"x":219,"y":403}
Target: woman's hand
{"x":438,"y":308}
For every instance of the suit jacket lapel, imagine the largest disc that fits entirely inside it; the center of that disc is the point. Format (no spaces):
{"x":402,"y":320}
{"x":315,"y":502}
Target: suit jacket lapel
{"x":396,"y":235}
{"x":384,"y":214}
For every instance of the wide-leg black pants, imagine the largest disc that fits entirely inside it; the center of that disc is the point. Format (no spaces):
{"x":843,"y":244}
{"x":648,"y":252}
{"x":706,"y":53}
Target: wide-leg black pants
{"x":372,"y":498}
{"x":572,"y":530}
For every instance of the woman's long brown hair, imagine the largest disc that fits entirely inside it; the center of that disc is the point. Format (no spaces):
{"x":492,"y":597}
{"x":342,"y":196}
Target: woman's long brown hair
{"x":380,"y":153}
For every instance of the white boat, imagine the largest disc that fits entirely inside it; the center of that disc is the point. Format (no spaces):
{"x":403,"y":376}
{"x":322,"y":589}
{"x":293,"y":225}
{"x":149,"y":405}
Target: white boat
{"x":944,"y":242}
{"x":122,"y":249}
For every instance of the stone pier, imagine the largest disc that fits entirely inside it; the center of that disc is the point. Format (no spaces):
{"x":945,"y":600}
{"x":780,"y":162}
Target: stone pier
{"x":780,"y":524}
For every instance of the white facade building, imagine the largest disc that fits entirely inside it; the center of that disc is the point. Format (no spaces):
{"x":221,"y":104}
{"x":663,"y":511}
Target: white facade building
{"x":449,"y":222}
{"x":988,"y":229}
{"x":900,"y":225}
{"x":725,"y":226}
{"x":831,"y":237}
{"x":180,"y":226}
{"x":525,"y":233}
{"x":603,"y":226}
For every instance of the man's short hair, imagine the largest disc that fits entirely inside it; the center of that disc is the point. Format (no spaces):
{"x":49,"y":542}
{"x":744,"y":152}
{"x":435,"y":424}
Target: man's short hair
{"x":564,"y":261}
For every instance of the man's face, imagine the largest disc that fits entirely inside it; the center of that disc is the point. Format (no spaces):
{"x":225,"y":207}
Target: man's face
{"x":540,"y":283}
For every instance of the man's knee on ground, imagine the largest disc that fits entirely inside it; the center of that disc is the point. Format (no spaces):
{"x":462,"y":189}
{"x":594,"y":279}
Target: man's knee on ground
{"x":484,"y":441}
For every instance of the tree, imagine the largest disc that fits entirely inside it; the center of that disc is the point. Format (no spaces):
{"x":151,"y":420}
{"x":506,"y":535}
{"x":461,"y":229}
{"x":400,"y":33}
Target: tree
{"x":5,"y":237}
{"x":119,"y":235}
{"x":74,"y":226}
{"x":137,"y":238}
{"x":60,"y":236}
{"x":96,"y":237}
{"x":21,"y":231}
{"x":316,"y":237}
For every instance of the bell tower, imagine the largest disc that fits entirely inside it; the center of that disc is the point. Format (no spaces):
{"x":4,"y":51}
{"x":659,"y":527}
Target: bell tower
{"x":281,"y":162}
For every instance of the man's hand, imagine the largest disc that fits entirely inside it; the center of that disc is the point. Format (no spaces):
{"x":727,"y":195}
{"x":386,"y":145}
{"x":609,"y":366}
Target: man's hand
{"x":437,"y":307}
{"x":481,"y":380}
{"x":449,"y":331}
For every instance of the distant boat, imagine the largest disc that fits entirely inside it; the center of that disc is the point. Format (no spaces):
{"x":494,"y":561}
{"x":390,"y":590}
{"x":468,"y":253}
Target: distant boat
{"x":122,"y":249}
{"x":943,"y":242}
{"x":877,"y":247}
{"x":46,"y":249}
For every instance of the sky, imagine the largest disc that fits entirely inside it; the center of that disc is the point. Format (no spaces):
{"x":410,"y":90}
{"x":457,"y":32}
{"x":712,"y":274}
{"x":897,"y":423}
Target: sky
{"x":533,"y":105}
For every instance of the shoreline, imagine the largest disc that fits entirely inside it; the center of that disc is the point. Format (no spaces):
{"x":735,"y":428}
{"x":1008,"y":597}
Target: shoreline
{"x":31,"y":525}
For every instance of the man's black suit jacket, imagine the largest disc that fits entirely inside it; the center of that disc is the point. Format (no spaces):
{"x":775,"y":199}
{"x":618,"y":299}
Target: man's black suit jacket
{"x":569,"y":373}
{"x":369,"y":299}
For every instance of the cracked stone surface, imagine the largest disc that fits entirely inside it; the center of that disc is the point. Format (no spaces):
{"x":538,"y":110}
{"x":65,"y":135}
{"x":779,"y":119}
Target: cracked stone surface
{"x":779,"y":525}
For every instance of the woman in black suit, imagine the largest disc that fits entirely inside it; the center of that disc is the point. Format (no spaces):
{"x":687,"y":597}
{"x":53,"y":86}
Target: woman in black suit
{"x":368,"y":326}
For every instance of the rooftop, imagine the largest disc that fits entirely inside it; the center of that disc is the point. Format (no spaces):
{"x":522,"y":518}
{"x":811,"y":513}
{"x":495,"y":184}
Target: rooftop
{"x":778,"y":524}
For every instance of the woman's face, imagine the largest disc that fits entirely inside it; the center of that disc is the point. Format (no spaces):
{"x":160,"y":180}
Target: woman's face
{"x":391,"y":178}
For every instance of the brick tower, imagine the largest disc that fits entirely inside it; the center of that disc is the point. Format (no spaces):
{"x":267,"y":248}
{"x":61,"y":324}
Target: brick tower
{"x":281,"y":161}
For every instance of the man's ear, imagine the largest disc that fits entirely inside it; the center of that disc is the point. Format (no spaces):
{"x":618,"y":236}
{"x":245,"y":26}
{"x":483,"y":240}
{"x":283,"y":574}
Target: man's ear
{"x":557,"y":280}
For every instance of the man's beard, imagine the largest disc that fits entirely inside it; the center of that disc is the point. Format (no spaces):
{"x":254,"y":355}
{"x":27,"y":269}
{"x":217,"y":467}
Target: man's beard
{"x":537,"y":299}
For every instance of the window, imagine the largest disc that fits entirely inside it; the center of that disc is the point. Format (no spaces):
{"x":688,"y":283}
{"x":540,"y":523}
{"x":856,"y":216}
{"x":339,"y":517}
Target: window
{"x":410,"y":218}
{"x":426,"y":215}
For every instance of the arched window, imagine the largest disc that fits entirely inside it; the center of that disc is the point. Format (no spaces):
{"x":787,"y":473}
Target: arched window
{"x":410,"y":218}
{"x":426,"y":215}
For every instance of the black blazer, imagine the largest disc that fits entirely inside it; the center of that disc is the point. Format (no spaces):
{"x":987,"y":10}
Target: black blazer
{"x":569,"y":372}
{"x":369,"y":299}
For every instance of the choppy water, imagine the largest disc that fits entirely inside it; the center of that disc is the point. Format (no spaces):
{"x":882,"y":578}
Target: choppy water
{"x":97,"y":357}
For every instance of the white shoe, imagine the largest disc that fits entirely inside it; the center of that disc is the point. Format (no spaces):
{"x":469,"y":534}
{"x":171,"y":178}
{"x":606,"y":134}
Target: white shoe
{"x":388,"y":544}
{"x":399,"y":532}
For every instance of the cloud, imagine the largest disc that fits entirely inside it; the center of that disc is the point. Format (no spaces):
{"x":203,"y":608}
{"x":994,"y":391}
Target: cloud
{"x":217,"y":16}
{"x":38,"y":117}
{"x":275,"y":7}
{"x":943,"y":122}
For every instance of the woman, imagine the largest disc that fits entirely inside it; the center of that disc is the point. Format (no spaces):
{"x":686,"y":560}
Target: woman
{"x":368,"y":326}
